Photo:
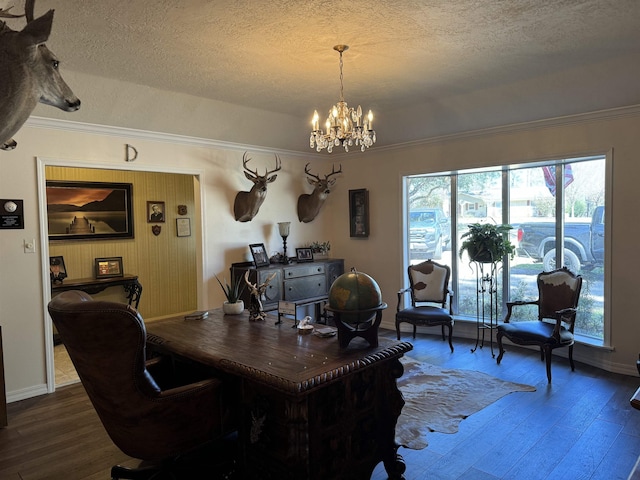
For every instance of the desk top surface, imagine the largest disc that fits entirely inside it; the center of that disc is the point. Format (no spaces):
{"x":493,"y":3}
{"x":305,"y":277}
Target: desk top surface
{"x":275,"y":355}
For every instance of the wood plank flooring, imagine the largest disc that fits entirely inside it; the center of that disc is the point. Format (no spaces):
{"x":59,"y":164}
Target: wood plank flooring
{"x":581,"y":427}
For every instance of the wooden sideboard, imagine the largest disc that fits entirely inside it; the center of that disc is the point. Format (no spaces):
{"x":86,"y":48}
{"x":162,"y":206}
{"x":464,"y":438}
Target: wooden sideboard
{"x":302,"y":283}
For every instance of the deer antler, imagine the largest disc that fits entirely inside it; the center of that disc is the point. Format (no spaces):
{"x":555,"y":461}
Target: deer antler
{"x":246,"y":160}
{"x":4,"y":13}
{"x":306,"y":170}
{"x":278,"y":166}
{"x":333,"y":171}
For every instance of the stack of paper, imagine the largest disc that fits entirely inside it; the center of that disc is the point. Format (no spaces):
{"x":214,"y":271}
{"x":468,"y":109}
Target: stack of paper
{"x":199,"y":315}
{"x":325,"y":331}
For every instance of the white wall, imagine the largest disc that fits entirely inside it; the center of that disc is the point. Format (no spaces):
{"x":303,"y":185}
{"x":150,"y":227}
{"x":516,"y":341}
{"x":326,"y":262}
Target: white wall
{"x":380,"y":171}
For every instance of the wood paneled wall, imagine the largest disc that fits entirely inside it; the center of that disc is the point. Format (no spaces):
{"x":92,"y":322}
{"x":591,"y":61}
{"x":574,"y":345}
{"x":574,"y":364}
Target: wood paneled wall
{"x":165,"y":264}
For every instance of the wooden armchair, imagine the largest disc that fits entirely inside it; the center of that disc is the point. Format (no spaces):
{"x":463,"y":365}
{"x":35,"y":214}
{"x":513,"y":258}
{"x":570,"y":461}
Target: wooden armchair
{"x":558,"y":294}
{"x":430,"y":299}
{"x":149,"y":414}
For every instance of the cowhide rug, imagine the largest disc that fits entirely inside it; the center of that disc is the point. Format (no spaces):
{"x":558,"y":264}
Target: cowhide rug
{"x":438,"y":399}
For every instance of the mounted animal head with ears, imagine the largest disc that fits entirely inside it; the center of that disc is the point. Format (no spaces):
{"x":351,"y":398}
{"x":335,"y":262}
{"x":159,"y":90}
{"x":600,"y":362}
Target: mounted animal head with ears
{"x":309,"y":204}
{"x":28,"y":74}
{"x":247,"y":204}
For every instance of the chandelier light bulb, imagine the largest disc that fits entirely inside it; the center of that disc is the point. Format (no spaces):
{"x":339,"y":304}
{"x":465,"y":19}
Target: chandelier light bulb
{"x":344,"y":125}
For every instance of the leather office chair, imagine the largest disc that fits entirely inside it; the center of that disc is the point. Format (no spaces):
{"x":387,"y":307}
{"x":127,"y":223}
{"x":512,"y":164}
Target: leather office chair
{"x":558,"y":294}
{"x":430,"y":295}
{"x":150,"y":414}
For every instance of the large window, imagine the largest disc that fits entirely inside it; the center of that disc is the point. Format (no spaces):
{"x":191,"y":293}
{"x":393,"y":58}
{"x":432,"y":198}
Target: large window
{"x":557,"y":210}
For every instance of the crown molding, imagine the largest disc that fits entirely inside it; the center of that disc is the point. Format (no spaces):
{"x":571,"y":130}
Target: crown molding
{"x":68,"y":125}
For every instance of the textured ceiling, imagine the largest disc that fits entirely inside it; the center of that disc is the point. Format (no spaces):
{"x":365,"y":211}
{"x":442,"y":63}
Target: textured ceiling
{"x":492,"y":61}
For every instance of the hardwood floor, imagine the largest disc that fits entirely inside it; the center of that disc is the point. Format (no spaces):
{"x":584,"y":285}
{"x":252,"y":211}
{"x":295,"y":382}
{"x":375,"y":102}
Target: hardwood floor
{"x":580,"y":427}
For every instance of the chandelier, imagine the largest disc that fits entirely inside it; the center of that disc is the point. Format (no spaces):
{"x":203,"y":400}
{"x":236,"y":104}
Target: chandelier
{"x":344,"y":126}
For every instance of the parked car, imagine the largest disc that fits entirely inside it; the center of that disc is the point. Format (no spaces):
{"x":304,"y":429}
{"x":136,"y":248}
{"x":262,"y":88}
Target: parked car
{"x":583,"y":242}
{"x":429,"y":233}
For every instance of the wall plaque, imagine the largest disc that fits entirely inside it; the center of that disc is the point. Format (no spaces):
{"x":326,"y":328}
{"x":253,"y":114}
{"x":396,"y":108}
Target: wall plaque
{"x":11,"y":214}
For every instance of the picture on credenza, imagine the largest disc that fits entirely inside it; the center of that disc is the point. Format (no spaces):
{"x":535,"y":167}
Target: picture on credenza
{"x":259,"y":254}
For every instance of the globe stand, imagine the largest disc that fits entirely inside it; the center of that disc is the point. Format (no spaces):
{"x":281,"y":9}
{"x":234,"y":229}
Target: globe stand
{"x":368,"y":330}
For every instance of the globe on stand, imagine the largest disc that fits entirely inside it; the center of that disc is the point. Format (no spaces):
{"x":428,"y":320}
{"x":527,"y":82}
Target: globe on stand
{"x":356,"y":302}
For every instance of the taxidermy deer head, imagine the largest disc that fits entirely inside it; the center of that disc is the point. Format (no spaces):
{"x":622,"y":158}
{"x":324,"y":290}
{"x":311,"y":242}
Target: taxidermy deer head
{"x":309,"y":204}
{"x":247,"y":204}
{"x":28,"y":74}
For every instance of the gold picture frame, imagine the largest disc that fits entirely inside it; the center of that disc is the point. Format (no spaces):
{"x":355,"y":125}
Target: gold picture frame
{"x":109,"y":267}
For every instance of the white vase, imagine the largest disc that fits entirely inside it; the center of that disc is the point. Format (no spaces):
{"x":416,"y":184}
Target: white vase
{"x":233,"y":308}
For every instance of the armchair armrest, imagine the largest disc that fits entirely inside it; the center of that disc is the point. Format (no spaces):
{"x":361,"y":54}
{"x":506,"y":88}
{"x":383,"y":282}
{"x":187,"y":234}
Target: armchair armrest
{"x":400,"y":295}
{"x":565,"y":315}
{"x":192,"y":388}
{"x":450,"y":293}
{"x":517,"y":303}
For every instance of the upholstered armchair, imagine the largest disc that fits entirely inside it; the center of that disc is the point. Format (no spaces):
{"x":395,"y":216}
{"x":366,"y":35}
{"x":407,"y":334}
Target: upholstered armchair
{"x":152,"y":414}
{"x":430,"y":299}
{"x":558,"y":295}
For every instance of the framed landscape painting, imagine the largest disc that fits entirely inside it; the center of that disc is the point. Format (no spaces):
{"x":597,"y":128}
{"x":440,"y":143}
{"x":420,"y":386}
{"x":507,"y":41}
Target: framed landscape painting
{"x":89,"y":210}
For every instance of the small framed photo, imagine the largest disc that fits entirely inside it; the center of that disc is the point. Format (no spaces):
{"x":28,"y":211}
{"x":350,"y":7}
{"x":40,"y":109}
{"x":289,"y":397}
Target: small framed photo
{"x":359,"y":212}
{"x":304,"y":255}
{"x":155,"y":212}
{"x":109,"y":267}
{"x":259,"y":254}
{"x":57,"y":269}
{"x":183,"y":227}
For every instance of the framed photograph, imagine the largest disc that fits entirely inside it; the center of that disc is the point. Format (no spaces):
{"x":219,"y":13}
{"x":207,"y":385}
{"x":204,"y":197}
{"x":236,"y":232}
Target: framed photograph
{"x":155,"y":212}
{"x":57,"y":269}
{"x":183,"y":227}
{"x":259,"y":254}
{"x":359,"y":212}
{"x":109,"y":267}
{"x":89,"y":210}
{"x":304,"y":255}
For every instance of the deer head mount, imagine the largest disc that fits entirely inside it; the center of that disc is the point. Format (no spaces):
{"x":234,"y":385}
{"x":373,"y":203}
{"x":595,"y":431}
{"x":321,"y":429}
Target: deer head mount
{"x":29,"y":74}
{"x":247,"y":204}
{"x":309,"y":204}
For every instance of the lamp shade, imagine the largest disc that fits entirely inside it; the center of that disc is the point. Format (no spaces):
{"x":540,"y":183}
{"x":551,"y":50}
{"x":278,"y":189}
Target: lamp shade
{"x":283,"y":228}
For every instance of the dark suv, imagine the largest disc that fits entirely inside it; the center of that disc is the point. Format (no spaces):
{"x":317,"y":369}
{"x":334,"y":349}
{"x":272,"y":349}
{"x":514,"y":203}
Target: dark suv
{"x":429,"y":233}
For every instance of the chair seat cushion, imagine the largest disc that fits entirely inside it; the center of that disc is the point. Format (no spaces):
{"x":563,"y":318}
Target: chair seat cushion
{"x":534,"y":332}
{"x":424,"y":315}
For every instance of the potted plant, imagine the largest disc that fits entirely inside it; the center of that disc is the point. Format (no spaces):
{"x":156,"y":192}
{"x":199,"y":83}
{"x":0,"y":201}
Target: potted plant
{"x":234,"y":305}
{"x":320,"y":249}
{"x":487,"y":243}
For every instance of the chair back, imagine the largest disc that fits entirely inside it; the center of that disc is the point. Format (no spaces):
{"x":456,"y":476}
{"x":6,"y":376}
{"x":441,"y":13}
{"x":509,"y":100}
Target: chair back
{"x":429,"y":282}
{"x":106,"y":342}
{"x":557,"y":290}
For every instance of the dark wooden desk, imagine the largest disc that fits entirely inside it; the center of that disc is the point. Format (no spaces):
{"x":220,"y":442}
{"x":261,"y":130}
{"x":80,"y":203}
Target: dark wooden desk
{"x":130,"y":283}
{"x":308,"y":409}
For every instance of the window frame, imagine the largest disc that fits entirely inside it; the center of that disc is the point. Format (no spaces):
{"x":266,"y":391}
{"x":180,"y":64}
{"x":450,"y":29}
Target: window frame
{"x":505,"y":171}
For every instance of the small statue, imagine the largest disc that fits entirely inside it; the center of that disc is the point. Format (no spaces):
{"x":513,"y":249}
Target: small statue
{"x":256,"y":311}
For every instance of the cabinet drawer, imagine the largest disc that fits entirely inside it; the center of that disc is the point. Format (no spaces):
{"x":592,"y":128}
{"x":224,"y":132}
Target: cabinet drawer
{"x":272,"y":294}
{"x":305,"y":287}
{"x":303,"y":271}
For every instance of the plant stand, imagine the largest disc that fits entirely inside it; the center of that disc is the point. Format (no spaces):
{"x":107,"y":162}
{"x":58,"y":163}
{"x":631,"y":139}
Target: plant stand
{"x":486,"y":315}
